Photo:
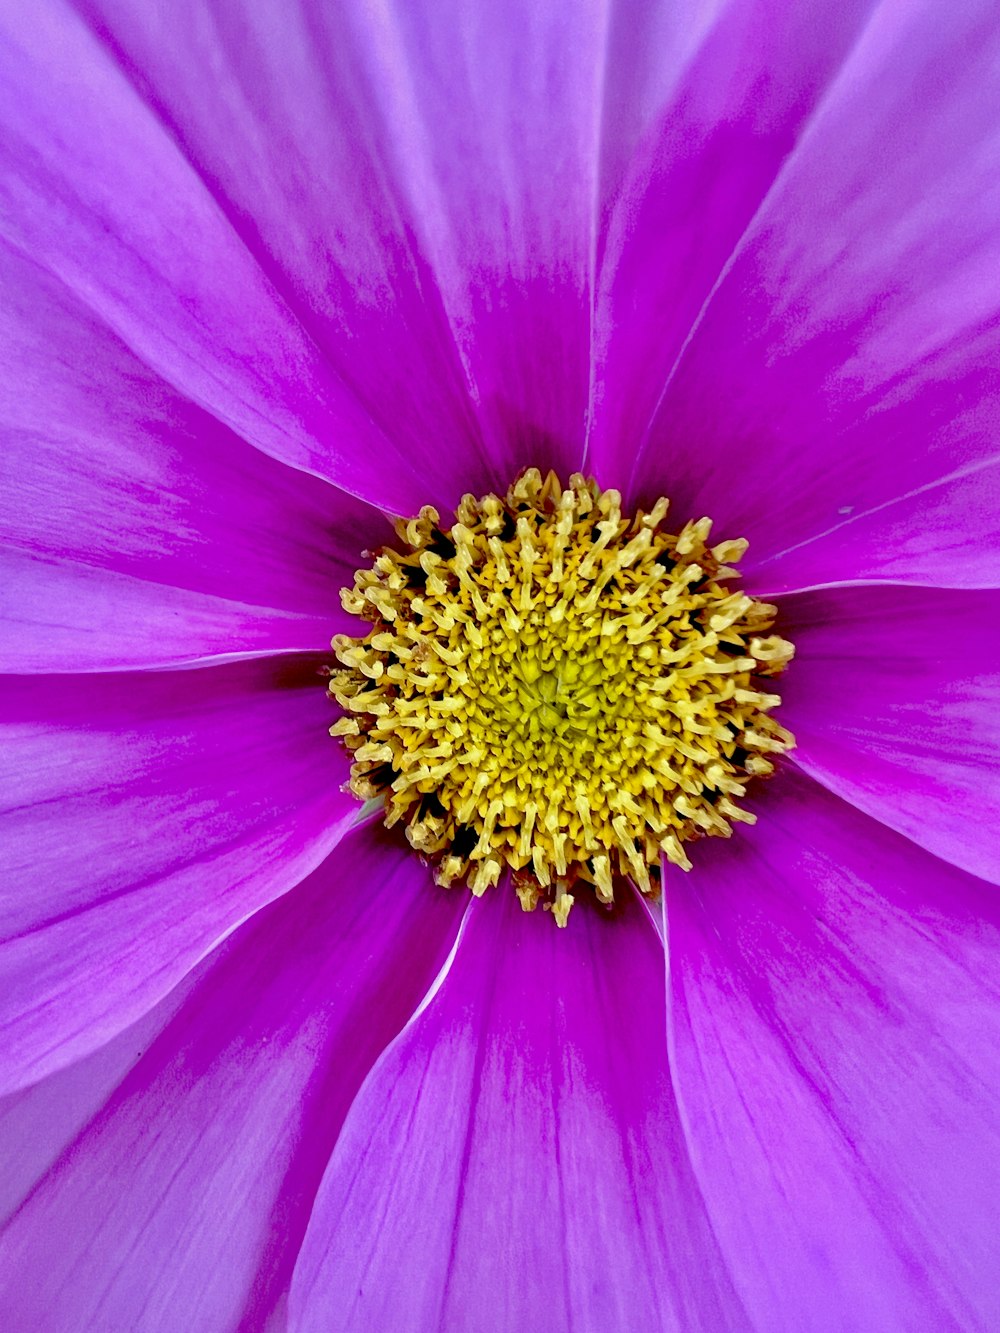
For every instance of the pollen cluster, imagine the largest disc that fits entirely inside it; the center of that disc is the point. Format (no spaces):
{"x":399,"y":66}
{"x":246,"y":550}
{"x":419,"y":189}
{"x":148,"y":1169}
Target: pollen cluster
{"x":552,"y":688}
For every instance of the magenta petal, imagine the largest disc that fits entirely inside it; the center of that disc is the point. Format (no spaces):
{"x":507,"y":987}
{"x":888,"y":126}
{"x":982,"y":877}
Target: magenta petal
{"x":894,"y":699}
{"x":196,"y":1179}
{"x":836,"y":1048}
{"x":837,"y":402}
{"x":344,"y":242}
{"x":39,"y":1122}
{"x":711,"y":152}
{"x":515,"y":1158}
{"x":145,"y":816}
{"x":98,"y":192}
{"x":418,"y":181}
{"x":136,"y":530}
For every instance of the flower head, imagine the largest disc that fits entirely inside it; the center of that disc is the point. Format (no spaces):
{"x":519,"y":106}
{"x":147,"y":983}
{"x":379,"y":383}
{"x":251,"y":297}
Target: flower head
{"x":554,"y":689}
{"x":277,"y":276}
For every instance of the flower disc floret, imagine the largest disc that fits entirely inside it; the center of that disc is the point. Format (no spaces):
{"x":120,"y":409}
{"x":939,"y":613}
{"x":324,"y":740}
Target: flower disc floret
{"x":551,"y":688}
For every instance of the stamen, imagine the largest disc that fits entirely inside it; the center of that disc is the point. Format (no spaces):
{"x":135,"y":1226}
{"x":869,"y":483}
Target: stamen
{"x":554,"y":690}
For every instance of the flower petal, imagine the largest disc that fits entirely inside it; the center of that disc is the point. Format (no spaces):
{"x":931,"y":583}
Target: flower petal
{"x":145,"y":816}
{"x":836,"y":1050}
{"x":195,"y":1180}
{"x":38,"y":1123}
{"x":894,"y":700}
{"x":97,"y":191}
{"x":135,"y":530}
{"x":517,"y":1150}
{"x":734,"y":110}
{"x":364,"y":241}
{"x":838,"y":404}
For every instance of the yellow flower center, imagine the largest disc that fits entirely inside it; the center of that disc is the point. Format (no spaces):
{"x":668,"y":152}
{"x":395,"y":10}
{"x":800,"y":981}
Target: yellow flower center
{"x":552,"y":688}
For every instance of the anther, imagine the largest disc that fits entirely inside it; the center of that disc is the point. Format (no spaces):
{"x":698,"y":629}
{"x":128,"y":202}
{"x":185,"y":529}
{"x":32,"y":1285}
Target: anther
{"x":553,"y":692}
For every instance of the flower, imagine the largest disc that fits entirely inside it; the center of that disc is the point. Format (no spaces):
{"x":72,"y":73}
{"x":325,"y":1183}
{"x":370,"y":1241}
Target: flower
{"x":272,"y":273}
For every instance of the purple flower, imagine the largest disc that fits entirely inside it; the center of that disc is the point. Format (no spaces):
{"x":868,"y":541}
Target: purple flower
{"x":272,"y":272}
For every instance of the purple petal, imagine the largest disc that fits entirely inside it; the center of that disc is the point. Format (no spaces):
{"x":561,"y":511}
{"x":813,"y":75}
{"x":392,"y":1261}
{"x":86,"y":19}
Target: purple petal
{"x":135,"y":530}
{"x":38,"y":1123}
{"x":198,"y":1174}
{"x":836,"y":1048}
{"x":722,"y":132}
{"x":894,"y":699}
{"x":98,"y":192}
{"x":364,"y":241}
{"x":145,"y":817}
{"x":517,"y":1151}
{"x":837,"y":404}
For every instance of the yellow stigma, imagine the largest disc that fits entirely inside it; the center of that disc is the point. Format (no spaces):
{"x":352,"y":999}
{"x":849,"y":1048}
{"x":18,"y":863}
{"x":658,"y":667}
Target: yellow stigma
{"x":552,"y":688}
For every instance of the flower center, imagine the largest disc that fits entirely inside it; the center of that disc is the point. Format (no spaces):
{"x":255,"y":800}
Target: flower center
{"x":556,"y":689}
